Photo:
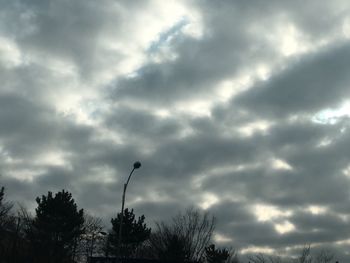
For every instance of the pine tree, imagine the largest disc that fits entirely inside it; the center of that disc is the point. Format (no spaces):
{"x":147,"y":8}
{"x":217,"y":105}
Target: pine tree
{"x":134,"y":233}
{"x":56,"y":227}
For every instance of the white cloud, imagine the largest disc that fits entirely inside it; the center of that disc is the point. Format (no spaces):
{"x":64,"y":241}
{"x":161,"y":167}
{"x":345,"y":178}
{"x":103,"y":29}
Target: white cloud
{"x":10,"y":54}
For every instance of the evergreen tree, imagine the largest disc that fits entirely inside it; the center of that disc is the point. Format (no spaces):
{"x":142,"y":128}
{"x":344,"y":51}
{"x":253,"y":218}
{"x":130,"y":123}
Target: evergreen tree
{"x":56,"y":227}
{"x":134,"y":233}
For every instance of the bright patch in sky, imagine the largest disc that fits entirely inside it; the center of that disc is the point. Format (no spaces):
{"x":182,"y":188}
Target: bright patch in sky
{"x":324,"y":142}
{"x":263,"y":71}
{"x":10,"y":54}
{"x":257,"y":250}
{"x":256,"y":126}
{"x":198,"y":108}
{"x":346,"y":171}
{"x":221,"y":238}
{"x":316,"y":210}
{"x":51,"y":158}
{"x":269,"y":212}
{"x":214,"y":98}
{"x":279,"y":164}
{"x":231,"y":87}
{"x":208,"y":199}
{"x":25,"y":174}
{"x":346,"y":28}
{"x":332,"y":116}
{"x":284,"y":227}
{"x":165,"y":21}
{"x":291,"y":40}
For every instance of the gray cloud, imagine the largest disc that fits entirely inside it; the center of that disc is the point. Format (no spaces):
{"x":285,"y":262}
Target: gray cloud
{"x":72,"y":117}
{"x":310,"y":85}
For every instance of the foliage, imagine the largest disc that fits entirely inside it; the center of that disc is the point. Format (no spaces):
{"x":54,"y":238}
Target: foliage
{"x":60,"y":232}
{"x":5,"y":208}
{"x":216,"y":255}
{"x":233,"y":257}
{"x":134,"y":233}
{"x":185,"y":237}
{"x":56,"y":227}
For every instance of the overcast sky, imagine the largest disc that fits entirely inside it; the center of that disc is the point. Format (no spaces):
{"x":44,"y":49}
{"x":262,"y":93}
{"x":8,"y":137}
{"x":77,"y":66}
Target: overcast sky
{"x":238,"y":107}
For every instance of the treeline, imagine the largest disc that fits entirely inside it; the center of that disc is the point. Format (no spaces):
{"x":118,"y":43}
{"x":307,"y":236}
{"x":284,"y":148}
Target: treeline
{"x":60,"y":232}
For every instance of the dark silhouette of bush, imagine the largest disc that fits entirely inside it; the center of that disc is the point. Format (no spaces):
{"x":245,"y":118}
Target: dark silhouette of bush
{"x":216,"y":255}
{"x":185,"y":238}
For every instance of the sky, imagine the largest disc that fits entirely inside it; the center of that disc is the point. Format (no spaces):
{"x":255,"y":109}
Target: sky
{"x":240,"y":108}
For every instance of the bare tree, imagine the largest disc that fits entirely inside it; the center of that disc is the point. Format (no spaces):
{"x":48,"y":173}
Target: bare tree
{"x":6,"y":223}
{"x":275,"y":259}
{"x":233,"y":256}
{"x":185,"y":238}
{"x":90,"y":242}
{"x":324,"y":256}
{"x":262,"y":258}
{"x":305,"y":256}
{"x":21,"y":226}
{"x":258,"y":258}
{"x":5,"y":208}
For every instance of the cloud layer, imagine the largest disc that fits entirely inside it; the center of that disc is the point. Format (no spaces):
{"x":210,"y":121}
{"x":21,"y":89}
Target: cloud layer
{"x":240,"y":109}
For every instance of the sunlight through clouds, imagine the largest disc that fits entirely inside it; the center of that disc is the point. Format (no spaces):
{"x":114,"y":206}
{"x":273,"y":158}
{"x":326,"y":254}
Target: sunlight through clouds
{"x":316,"y":210}
{"x":279,"y":164}
{"x":221,"y":238}
{"x":255,"y":250}
{"x":332,"y":116}
{"x":209,"y":199}
{"x":268,"y":212}
{"x":238,"y":109}
{"x":10,"y":54}
{"x":284,"y":227}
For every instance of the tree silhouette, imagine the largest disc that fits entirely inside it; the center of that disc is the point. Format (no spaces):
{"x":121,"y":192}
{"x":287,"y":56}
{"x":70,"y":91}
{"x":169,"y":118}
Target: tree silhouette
{"x":134,"y":233}
{"x":5,"y":208}
{"x":90,"y":242}
{"x":169,"y":247}
{"x":56,"y":227}
{"x":6,"y":222}
{"x":215,"y":255}
{"x":186,"y":236}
